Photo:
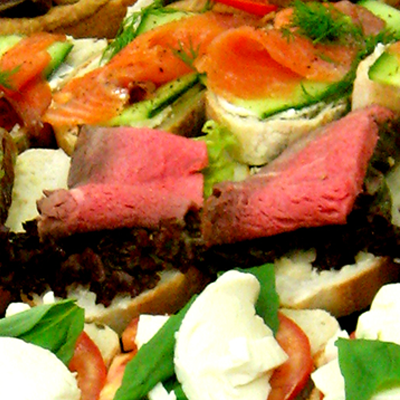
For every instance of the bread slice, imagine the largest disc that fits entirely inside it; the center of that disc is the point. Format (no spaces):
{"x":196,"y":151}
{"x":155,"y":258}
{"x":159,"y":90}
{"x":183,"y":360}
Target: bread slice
{"x":173,"y":291}
{"x":340,"y":292}
{"x":367,"y":92}
{"x":260,"y":141}
{"x":82,"y":18}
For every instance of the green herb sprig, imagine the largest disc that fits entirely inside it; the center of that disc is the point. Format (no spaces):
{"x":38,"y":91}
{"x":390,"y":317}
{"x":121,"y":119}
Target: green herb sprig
{"x":321,"y":22}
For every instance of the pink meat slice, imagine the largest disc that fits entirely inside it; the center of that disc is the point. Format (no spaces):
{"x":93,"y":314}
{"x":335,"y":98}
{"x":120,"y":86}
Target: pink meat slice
{"x":132,"y":155}
{"x":125,"y":177}
{"x":315,"y":183}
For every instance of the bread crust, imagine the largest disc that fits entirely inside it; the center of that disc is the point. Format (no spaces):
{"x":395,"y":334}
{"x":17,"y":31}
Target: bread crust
{"x":173,"y":291}
{"x":339,"y":292}
{"x":260,"y":141}
{"x":84,"y":18}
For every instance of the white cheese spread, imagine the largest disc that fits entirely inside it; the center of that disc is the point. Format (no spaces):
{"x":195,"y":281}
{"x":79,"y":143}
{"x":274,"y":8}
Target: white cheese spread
{"x":223,"y":349}
{"x":31,"y":372}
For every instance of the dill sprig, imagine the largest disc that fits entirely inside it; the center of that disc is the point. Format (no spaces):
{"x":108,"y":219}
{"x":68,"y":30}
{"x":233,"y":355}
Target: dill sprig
{"x":322,"y":22}
{"x":128,"y":30}
{"x":187,"y":55}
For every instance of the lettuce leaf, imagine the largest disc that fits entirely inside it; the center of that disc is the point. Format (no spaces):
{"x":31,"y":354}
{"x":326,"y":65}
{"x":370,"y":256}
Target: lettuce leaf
{"x":221,"y":166}
{"x":368,"y":366}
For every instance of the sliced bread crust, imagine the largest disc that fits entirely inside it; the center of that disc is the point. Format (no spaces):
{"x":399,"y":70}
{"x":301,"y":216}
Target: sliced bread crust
{"x":83,"y":18}
{"x":260,"y":141}
{"x":342,"y":292}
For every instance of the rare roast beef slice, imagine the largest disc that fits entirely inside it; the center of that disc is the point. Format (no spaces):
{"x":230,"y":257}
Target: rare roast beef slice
{"x":125,"y":177}
{"x":94,"y":207}
{"x":315,"y":183}
{"x":132,"y":155}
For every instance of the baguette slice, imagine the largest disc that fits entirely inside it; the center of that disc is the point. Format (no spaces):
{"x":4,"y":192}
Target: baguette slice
{"x":367,"y":92}
{"x":342,"y":292}
{"x":260,"y":141}
{"x":172,"y":292}
{"x":83,"y":18}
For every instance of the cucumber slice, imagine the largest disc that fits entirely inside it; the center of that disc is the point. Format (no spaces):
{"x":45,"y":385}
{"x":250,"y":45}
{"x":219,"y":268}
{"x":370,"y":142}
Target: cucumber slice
{"x":158,"y":17}
{"x":386,"y":69}
{"x":386,"y":12}
{"x":163,"y":97}
{"x":58,"y":52}
{"x":304,"y":94}
{"x":8,"y":41}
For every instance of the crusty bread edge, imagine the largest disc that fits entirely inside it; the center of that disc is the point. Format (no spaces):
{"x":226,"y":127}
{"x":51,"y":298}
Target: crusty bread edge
{"x":173,"y":291}
{"x":85,"y":18}
{"x":351,"y":294}
{"x":260,"y":141}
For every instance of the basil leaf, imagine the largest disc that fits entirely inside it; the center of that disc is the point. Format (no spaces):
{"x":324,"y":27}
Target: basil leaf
{"x":52,"y":326}
{"x":367,"y":366}
{"x":153,"y":363}
{"x":268,"y":300}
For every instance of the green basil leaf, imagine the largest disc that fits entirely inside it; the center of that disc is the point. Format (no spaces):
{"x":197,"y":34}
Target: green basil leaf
{"x":368,"y":366}
{"x":52,"y":326}
{"x":153,"y":363}
{"x":268,"y":300}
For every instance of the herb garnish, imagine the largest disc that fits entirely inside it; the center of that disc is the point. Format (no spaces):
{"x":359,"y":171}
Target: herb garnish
{"x":129,"y":30}
{"x":187,"y":55}
{"x":321,"y":22}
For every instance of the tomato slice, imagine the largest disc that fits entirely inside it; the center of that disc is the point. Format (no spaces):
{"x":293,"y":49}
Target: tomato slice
{"x":290,"y":378}
{"x":256,"y":7}
{"x":89,"y":365}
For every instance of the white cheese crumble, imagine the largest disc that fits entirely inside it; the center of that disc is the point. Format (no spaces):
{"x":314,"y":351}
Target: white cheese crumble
{"x":32,"y":372}
{"x":223,"y":349}
{"x":381,"y":322}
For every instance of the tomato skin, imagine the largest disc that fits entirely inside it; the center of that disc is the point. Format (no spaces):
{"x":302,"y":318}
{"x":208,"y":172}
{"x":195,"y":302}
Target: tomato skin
{"x":290,"y":378}
{"x":89,"y":365}
{"x":256,"y":7}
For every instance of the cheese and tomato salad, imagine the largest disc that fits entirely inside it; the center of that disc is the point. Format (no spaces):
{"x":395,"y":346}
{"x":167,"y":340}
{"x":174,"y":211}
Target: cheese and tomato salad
{"x":223,"y":350}
{"x":380,"y":324}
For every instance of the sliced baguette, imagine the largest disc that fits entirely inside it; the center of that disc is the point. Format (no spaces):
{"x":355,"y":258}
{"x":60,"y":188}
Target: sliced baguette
{"x":341,"y":292}
{"x":83,"y":18}
{"x":260,"y":141}
{"x":367,"y":92}
{"x":173,"y":291}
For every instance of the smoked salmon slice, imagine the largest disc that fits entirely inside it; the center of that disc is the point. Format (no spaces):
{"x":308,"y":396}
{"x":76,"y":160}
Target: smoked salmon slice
{"x":238,"y":63}
{"x":154,"y":56}
{"x":26,"y":88}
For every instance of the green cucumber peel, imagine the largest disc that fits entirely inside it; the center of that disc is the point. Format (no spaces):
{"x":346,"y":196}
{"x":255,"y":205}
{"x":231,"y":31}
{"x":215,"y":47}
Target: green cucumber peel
{"x":55,"y":327}
{"x":368,"y":366}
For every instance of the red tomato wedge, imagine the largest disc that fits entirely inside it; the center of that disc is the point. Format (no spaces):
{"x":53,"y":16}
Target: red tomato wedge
{"x":89,"y":365}
{"x":256,"y":7}
{"x":291,"y":377}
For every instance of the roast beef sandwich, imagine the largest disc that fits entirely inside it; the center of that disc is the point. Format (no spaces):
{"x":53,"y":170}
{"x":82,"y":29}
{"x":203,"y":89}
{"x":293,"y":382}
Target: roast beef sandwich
{"x":114,"y":229}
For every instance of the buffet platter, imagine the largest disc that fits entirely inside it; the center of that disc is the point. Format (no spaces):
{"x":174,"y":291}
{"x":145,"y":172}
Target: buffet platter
{"x":199,"y":199}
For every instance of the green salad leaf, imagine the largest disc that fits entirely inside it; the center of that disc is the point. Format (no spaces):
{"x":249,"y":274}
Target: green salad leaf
{"x":268,"y":300}
{"x":221,"y":166}
{"x":154,"y":361}
{"x":55,"y":327}
{"x":368,"y":366}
